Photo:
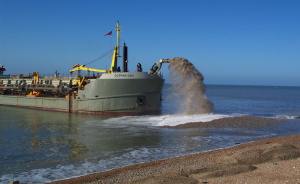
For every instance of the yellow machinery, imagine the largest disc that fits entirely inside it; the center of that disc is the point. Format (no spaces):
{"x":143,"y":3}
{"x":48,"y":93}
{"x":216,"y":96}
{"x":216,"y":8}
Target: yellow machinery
{"x":33,"y":94}
{"x":115,"y":55}
{"x":84,"y":68}
{"x":36,"y":77}
{"x":81,"y":81}
{"x":114,"y":61}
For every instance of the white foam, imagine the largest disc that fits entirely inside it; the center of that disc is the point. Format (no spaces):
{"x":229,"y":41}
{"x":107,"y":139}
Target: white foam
{"x":166,"y":120}
{"x":45,"y":175}
{"x":286,"y":117}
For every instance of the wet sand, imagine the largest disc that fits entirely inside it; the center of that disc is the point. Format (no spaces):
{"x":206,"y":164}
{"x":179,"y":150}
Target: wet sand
{"x":272,"y":160}
{"x":233,"y":122}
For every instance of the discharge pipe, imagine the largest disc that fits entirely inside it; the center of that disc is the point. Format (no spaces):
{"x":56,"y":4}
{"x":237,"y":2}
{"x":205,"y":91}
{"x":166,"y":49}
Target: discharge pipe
{"x":156,"y":67}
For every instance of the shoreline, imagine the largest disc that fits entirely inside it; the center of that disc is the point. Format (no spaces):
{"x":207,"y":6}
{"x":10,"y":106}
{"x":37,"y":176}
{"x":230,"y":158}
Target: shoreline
{"x":238,"y":164}
{"x":245,"y":121}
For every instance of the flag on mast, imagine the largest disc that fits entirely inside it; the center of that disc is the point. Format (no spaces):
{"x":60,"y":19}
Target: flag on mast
{"x":108,"y":34}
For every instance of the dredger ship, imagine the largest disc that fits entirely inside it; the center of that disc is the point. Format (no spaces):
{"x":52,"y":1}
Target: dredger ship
{"x":112,"y":91}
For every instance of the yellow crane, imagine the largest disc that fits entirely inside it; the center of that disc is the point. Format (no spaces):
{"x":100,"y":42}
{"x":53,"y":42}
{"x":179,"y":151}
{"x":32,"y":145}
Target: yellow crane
{"x":84,"y":68}
{"x":114,"y":59}
{"x":81,"y":81}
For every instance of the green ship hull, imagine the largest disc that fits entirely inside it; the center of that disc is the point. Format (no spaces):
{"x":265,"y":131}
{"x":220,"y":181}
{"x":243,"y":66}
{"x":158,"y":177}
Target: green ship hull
{"x":120,"y":93}
{"x":110,"y":91}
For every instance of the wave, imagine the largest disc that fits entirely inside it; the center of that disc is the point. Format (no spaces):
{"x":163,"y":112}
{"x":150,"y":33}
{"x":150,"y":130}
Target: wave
{"x":166,"y":120}
{"x":139,"y":155}
{"x":46,"y":175}
{"x":170,"y":120}
{"x":132,"y":156}
{"x":289,"y":117}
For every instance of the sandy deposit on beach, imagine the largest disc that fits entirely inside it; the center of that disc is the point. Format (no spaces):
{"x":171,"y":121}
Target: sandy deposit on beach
{"x":232,"y":122}
{"x":273,"y":160}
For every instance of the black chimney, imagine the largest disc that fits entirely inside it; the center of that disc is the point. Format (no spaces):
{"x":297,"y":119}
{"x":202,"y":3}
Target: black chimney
{"x":125,"y":58}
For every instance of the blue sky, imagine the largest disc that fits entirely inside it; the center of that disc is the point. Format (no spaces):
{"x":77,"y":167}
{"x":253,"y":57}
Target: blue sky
{"x":254,"y":42}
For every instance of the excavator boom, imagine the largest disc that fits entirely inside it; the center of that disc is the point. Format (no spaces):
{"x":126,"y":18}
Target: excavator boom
{"x":84,"y":68}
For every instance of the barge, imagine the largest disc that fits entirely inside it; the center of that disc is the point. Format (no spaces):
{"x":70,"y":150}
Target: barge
{"x":112,"y":91}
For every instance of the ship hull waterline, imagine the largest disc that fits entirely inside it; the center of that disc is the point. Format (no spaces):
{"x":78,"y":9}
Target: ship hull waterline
{"x":111,"y":95}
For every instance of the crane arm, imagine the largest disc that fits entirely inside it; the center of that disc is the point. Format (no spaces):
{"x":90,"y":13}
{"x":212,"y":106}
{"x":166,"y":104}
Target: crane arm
{"x":84,"y":68}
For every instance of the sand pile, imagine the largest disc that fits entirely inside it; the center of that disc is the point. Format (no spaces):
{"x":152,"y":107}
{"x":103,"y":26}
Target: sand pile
{"x":188,"y":86}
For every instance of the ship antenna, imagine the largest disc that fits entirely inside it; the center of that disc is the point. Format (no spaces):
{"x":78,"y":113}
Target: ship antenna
{"x":114,"y":62}
{"x":118,"y":30}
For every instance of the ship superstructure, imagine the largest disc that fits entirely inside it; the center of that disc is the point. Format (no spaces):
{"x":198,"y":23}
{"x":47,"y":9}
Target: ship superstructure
{"x":112,"y":91}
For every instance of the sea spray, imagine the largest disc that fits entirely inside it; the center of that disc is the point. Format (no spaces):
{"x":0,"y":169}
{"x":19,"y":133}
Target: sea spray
{"x":188,"y":86}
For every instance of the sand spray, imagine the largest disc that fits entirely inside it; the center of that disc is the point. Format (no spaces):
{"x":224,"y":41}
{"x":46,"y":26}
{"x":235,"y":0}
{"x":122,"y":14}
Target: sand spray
{"x":188,"y":87}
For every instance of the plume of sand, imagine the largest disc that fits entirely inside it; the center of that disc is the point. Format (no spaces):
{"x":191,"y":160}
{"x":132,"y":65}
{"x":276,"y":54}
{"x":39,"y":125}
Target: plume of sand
{"x":187,"y":84}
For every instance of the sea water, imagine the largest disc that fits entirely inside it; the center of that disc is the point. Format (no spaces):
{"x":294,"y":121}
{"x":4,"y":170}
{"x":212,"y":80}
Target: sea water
{"x":40,"y":146}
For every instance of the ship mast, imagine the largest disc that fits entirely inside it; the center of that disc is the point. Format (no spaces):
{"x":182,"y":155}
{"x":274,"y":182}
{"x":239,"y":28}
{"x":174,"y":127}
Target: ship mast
{"x":118,"y":30}
{"x":114,"y":61}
